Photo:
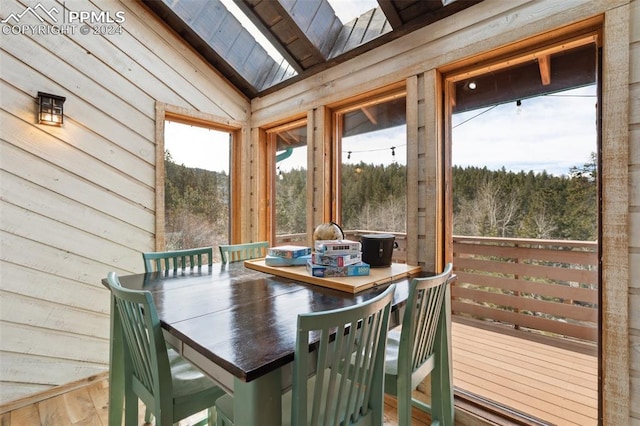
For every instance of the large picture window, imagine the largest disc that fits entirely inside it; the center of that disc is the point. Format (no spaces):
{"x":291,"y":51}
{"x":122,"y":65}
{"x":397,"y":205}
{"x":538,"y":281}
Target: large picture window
{"x":196,"y":179}
{"x":525,"y":208}
{"x":371,"y":162}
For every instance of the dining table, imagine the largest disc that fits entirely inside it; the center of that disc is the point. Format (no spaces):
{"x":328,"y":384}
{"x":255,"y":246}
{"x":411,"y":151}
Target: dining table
{"x":238,"y":326}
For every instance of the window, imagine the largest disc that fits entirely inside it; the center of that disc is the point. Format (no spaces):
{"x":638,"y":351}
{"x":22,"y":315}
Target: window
{"x":289,"y":145}
{"x":371,"y":160}
{"x":524,"y":201}
{"x":196,"y":186}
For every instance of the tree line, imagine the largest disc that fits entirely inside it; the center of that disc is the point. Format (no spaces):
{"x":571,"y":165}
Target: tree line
{"x":196,"y":206}
{"x":501,"y":203}
{"x":498,"y":203}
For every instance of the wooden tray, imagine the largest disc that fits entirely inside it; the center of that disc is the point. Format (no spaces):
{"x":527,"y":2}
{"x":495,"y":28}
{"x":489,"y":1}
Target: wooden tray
{"x":349,"y":284}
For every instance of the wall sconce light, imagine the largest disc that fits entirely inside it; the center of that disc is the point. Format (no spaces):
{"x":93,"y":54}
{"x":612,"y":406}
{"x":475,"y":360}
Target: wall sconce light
{"x":50,"y":110}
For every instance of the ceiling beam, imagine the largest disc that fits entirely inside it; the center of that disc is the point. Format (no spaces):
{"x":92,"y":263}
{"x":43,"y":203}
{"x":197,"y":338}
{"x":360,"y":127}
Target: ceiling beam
{"x":544,"y":63}
{"x":390,"y":11}
{"x":370,"y":115}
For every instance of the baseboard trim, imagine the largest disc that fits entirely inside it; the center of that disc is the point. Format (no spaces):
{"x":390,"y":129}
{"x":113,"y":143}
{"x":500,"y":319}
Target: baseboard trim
{"x":50,"y":393}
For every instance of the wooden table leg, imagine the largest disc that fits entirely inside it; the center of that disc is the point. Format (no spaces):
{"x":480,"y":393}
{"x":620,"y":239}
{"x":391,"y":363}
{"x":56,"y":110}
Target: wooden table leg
{"x":258,"y":402}
{"x":116,"y":368}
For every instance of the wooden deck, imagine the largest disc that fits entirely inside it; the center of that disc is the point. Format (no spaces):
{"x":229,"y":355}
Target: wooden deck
{"x":556,"y":386}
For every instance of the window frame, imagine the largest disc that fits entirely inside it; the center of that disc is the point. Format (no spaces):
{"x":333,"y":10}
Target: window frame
{"x":337,"y":111}
{"x":271,"y":174}
{"x":166,"y":112}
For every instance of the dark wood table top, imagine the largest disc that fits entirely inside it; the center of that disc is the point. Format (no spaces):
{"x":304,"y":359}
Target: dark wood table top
{"x":243,"y":320}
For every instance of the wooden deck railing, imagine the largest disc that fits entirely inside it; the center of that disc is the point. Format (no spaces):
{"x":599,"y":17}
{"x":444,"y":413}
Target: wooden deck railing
{"x":550,"y":286}
{"x":546,"y":286}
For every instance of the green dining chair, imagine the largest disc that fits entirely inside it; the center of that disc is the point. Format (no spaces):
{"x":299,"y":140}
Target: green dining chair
{"x":165,"y":261}
{"x":418,"y":348}
{"x":341,"y":392}
{"x":170,"y":387}
{"x":237,"y":252}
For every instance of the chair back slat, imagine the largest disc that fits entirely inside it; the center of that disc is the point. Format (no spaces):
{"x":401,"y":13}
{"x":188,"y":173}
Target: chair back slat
{"x":350,"y":344}
{"x":236,"y":252}
{"x":432,"y":301}
{"x":138,"y":340}
{"x":166,"y":261}
{"x":369,"y":334}
{"x":420,"y":322}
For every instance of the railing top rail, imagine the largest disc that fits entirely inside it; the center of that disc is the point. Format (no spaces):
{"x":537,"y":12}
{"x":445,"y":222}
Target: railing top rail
{"x":566,"y":243}
{"x":365,"y":231}
{"x":466,"y":238}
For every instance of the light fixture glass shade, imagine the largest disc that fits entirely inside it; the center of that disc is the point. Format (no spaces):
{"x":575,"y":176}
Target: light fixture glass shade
{"x":50,"y":110}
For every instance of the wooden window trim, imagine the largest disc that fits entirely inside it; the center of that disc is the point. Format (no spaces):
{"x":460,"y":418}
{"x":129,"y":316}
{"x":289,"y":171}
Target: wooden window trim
{"x":177,"y":114}
{"x":270,"y":172}
{"x":581,"y":34}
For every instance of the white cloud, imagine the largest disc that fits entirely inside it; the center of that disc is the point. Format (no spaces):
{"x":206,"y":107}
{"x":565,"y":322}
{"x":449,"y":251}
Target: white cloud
{"x":550,"y":133}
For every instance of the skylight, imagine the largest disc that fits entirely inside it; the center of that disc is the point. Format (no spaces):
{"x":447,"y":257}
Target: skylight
{"x":260,"y":44}
{"x":347,"y":10}
{"x":253,"y":30}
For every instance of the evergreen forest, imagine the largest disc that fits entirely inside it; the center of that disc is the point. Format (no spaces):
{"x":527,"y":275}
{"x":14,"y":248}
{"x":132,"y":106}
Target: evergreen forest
{"x":496,"y":203}
{"x":196,"y":206}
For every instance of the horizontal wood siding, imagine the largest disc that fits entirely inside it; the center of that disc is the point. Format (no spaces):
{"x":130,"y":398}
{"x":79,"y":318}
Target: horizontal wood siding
{"x":79,"y":201}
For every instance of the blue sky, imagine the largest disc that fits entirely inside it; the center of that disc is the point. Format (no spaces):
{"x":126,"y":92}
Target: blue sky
{"x":551,"y":133}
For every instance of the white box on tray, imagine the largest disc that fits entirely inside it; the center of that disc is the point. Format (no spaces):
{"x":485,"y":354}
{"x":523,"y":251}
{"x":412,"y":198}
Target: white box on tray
{"x":321,"y":271}
{"x":286,"y":261}
{"x":336,"y":260}
{"x":337,"y":247}
{"x":289,"y":251}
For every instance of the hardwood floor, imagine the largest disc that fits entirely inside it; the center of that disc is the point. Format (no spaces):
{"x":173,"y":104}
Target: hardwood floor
{"x":88,"y":406}
{"x":548,"y":384}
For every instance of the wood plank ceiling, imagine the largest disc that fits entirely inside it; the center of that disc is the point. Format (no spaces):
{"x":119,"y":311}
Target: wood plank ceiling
{"x":307,"y":33}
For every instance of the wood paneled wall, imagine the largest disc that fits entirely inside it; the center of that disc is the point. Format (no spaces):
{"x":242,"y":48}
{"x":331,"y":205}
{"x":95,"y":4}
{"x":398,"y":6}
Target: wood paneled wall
{"x":498,"y":26}
{"x":78,"y":201}
{"x":634,"y":209}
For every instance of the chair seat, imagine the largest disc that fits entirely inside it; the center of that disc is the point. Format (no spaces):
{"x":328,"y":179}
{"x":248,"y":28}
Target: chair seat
{"x":186,"y":378}
{"x":224,"y":405}
{"x":393,"y":348}
{"x":190,"y":386}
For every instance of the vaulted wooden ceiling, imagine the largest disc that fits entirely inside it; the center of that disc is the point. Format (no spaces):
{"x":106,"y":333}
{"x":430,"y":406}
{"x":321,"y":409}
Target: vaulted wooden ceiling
{"x":307,"y":33}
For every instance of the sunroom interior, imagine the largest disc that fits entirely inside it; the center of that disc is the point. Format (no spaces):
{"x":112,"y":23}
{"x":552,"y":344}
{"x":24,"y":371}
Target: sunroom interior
{"x":534,"y":321}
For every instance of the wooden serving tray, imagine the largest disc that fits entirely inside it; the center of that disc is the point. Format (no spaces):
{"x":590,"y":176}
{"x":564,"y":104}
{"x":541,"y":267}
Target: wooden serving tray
{"x":349,"y":284}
